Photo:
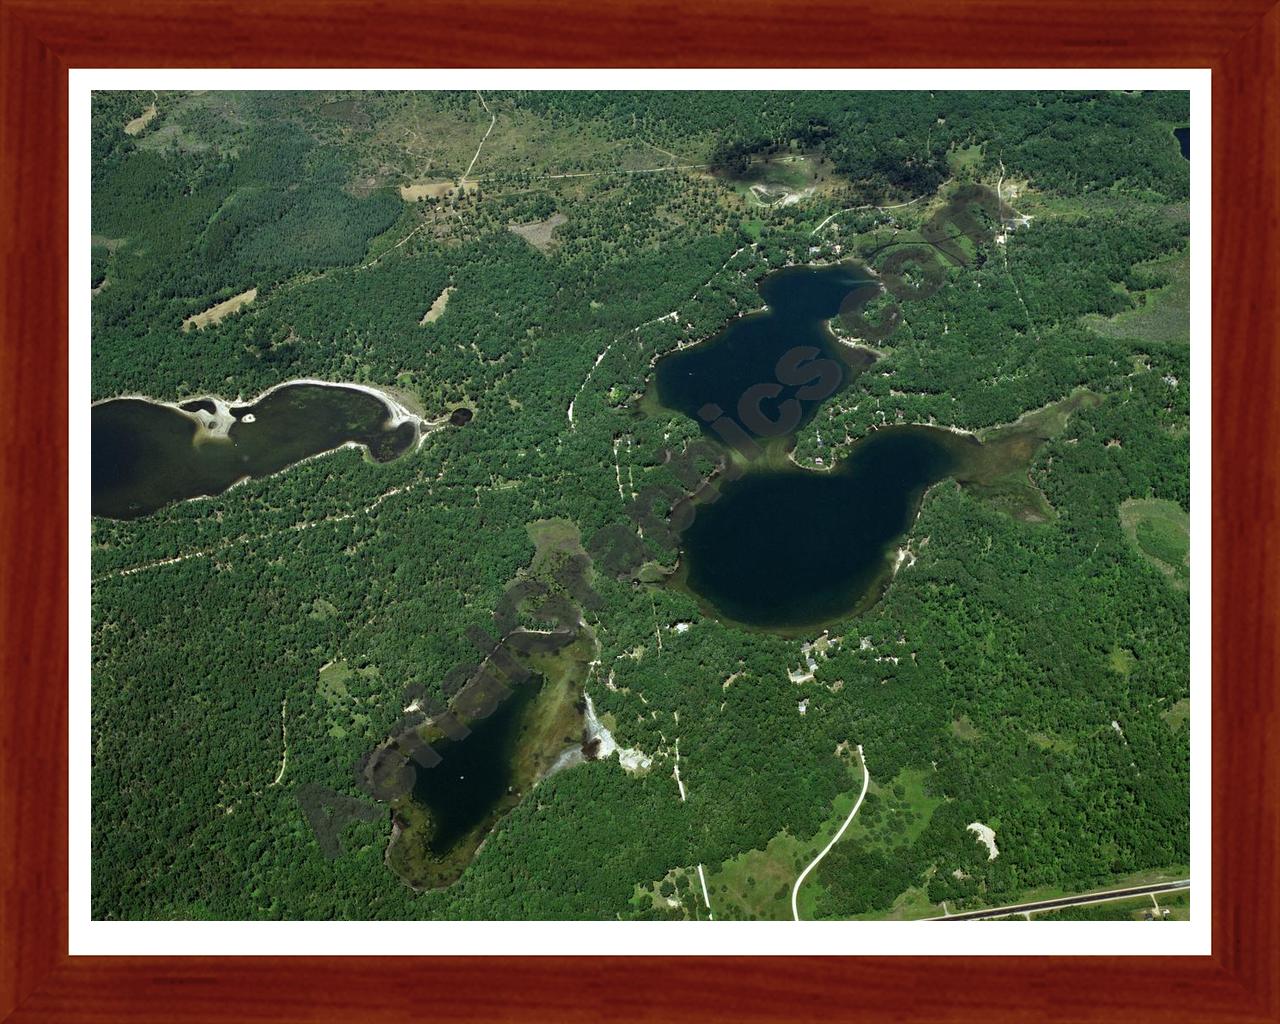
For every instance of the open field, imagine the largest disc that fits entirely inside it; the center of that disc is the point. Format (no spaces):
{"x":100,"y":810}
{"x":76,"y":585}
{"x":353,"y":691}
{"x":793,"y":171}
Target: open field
{"x":437,"y":307}
{"x":216,"y":314}
{"x":539,"y":233}
{"x":426,"y":190}
{"x":1161,"y":532}
{"x":1164,"y":313}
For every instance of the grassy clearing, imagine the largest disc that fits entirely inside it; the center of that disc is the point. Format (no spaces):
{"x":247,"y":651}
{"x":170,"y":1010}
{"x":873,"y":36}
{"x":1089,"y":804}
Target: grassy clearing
{"x":1178,"y":714}
{"x":964,"y":158}
{"x":333,"y":681}
{"x":896,"y":813}
{"x":1121,"y":660}
{"x":345,"y":691}
{"x":756,"y":885}
{"x":539,"y":233}
{"x":414,"y":191}
{"x":1161,"y":531}
{"x":216,"y":314}
{"x":1048,"y":741}
{"x":912,"y":905}
{"x":899,"y":814}
{"x":678,"y":895}
{"x":1164,"y":315}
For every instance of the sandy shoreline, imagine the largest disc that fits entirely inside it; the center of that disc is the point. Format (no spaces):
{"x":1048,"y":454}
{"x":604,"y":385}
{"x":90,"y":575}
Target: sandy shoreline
{"x":219,"y":422}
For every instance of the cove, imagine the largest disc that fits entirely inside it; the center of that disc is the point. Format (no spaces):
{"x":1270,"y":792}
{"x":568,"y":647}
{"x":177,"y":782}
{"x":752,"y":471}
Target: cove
{"x":148,"y":454}
{"x":787,"y":548}
{"x":1183,"y":136}
{"x":723,"y":369}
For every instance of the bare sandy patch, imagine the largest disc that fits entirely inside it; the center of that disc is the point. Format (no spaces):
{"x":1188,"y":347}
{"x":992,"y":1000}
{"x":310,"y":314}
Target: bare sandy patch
{"x":140,"y":122}
{"x":538,"y":233}
{"x":216,"y":314}
{"x":437,"y":308}
{"x":986,"y":836}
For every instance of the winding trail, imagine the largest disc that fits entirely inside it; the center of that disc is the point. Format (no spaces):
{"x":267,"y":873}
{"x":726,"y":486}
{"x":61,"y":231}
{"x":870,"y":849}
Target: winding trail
{"x":866,"y":781}
{"x":493,"y":119}
{"x":284,"y":743}
{"x":1004,"y":255}
{"x":385,"y":252}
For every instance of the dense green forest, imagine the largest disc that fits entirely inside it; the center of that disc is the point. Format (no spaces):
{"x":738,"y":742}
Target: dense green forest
{"x":1026,"y":671}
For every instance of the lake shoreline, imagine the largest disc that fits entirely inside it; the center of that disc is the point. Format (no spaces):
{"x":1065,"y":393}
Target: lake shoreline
{"x":397,"y":412}
{"x":208,"y":445}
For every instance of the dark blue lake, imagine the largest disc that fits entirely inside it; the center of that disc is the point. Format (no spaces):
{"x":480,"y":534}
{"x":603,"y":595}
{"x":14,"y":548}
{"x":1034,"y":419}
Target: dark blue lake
{"x":146,"y":455}
{"x":786,"y":547}
{"x":738,"y":370}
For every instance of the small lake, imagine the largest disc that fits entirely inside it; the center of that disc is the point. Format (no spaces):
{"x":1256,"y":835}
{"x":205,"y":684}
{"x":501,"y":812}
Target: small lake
{"x":725,"y":368}
{"x":475,"y":781}
{"x":789,"y":548}
{"x":1183,"y":135}
{"x":148,"y":454}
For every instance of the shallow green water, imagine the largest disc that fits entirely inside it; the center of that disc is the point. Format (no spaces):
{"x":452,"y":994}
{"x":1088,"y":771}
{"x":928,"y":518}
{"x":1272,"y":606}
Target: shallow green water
{"x":147,"y":455}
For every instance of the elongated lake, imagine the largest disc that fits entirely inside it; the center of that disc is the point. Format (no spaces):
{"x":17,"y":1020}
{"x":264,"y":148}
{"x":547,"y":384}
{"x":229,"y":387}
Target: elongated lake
{"x":474,"y":783}
{"x":148,"y":454}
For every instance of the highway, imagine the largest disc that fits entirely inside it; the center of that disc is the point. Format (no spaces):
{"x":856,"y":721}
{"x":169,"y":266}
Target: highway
{"x":1069,"y":901}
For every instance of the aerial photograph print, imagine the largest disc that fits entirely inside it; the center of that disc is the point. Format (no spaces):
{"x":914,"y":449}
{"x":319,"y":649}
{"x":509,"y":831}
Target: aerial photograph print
{"x":654,"y":505}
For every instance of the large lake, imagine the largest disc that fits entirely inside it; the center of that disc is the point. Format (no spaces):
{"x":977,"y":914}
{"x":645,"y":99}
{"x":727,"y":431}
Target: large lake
{"x":786,"y":547}
{"x":1183,"y":135}
{"x":148,"y":454}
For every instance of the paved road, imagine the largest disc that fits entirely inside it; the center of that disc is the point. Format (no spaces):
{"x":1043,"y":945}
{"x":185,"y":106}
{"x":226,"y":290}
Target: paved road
{"x":866,"y":781}
{"x":1069,"y":901}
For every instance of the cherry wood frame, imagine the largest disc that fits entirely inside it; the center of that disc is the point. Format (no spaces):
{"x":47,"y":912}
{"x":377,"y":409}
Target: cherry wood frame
{"x":41,"y":39}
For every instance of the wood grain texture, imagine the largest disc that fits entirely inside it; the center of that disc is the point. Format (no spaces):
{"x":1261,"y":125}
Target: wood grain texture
{"x":39,"y":41}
